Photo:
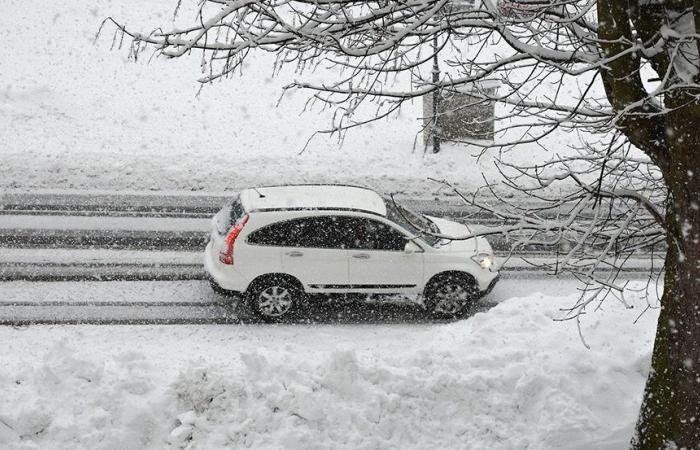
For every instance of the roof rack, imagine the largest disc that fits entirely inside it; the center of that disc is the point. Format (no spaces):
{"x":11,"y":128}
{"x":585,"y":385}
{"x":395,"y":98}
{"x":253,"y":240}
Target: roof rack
{"x":319,"y":208}
{"x":313,"y":184}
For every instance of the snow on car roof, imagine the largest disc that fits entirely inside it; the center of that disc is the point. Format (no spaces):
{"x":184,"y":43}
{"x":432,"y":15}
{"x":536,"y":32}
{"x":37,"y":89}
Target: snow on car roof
{"x":326,"y":196}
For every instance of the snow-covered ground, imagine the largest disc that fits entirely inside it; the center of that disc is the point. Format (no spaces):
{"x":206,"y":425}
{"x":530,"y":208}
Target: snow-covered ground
{"x":75,"y":115}
{"x":510,"y":377}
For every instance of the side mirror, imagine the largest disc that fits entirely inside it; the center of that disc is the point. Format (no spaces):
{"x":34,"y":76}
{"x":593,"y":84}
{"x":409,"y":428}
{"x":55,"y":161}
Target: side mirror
{"x":411,"y":247}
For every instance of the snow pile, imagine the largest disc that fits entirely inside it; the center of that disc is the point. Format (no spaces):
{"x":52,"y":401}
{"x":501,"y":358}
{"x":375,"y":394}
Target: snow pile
{"x":507,"y":378}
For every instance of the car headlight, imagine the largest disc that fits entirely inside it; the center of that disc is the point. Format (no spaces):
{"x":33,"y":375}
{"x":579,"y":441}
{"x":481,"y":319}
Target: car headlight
{"x":486,"y":261}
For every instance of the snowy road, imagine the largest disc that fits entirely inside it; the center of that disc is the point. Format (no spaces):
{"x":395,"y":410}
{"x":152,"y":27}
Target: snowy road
{"x":59,"y":264}
{"x":162,"y":222}
{"x":132,"y":302}
{"x":56,"y":250}
{"x":151,"y":236}
{"x":155,"y":221}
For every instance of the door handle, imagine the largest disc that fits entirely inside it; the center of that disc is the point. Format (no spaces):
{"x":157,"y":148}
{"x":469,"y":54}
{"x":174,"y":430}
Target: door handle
{"x":295,"y":254}
{"x":361,"y":256}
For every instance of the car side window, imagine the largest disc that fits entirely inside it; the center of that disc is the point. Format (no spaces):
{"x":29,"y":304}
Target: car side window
{"x":306,"y":232}
{"x":281,"y":234}
{"x":368,"y":234}
{"x":321,"y":232}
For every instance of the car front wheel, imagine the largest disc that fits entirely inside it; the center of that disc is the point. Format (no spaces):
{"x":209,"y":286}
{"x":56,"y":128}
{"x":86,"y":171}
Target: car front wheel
{"x":274,"y":299}
{"x":449,"y":296}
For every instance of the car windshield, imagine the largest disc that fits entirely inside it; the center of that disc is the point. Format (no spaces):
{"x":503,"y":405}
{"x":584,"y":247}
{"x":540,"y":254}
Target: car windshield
{"x":412,"y":222}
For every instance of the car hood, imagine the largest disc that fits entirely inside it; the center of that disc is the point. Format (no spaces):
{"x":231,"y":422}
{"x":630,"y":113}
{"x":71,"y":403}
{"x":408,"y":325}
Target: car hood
{"x":450,"y":228}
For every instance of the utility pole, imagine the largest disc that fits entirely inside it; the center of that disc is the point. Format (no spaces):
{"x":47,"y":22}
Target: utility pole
{"x":436,"y":97}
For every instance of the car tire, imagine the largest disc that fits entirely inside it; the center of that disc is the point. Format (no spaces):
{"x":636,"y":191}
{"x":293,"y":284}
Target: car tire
{"x":274,"y":299}
{"x":450,"y":295}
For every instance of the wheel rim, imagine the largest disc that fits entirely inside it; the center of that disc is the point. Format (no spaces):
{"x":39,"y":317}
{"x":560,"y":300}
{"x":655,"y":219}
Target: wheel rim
{"x":275,"y":301}
{"x":451,"y":298}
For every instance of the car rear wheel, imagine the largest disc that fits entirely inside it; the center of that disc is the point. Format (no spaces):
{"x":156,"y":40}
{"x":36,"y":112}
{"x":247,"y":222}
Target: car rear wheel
{"x":451,"y":295}
{"x":274,"y":299}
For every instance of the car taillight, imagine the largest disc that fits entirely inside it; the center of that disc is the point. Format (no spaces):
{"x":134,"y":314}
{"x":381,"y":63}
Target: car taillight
{"x":227,"y":256}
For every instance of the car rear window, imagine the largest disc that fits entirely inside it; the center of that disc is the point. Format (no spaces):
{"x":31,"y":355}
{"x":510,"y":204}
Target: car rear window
{"x":229,"y":215}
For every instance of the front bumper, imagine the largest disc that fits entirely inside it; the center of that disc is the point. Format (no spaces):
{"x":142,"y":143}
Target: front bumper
{"x":490,"y":287}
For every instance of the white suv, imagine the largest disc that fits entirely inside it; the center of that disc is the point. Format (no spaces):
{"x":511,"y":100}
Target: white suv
{"x":278,"y":244}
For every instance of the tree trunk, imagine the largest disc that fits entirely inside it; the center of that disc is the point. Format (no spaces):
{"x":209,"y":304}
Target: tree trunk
{"x":670,"y":414}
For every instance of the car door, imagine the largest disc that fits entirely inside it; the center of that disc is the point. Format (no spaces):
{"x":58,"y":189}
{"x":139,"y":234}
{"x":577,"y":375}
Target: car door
{"x":314,"y":254}
{"x":377,"y":259}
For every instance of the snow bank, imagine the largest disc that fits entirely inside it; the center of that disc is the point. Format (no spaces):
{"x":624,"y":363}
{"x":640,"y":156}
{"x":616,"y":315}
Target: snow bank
{"x":507,"y":378}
